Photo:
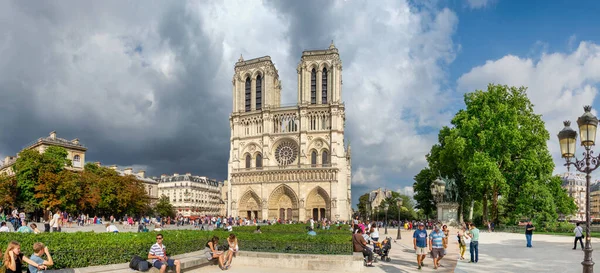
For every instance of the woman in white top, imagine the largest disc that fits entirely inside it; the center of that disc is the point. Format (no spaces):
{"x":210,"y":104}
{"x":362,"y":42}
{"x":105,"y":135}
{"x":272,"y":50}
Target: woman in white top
{"x":233,"y":247}
{"x":374,"y":234}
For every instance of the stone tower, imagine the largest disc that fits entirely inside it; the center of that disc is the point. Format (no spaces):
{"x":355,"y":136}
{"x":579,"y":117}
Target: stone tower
{"x":289,"y":162}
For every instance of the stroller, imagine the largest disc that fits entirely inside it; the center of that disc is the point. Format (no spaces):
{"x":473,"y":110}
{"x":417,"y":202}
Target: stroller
{"x":382,"y":249}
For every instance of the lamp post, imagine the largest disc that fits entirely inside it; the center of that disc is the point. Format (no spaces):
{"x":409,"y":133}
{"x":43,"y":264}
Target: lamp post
{"x":399,"y":203}
{"x":386,"y":207}
{"x":567,"y":138}
{"x":438,"y":188}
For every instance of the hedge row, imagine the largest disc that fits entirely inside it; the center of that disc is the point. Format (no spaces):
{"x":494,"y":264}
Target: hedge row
{"x":296,"y":228}
{"x":82,"y":249}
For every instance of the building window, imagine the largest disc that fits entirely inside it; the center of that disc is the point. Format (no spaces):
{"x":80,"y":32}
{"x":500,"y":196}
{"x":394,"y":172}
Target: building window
{"x":259,"y":161}
{"x":258,"y":92}
{"x":313,"y":158}
{"x":313,"y":87}
{"x":76,"y":161}
{"x":325,"y":158}
{"x":248,"y":161}
{"x":248,"y":95}
{"x":324,"y":87}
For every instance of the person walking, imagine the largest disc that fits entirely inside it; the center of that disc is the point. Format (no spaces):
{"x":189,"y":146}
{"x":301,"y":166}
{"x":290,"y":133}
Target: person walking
{"x":437,"y":245}
{"x":578,"y":236}
{"x":474,"y":245}
{"x":420,"y":244}
{"x":529,"y":233}
{"x":462,"y":246}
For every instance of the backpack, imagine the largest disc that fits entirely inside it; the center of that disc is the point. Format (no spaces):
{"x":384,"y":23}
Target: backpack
{"x":139,"y":264}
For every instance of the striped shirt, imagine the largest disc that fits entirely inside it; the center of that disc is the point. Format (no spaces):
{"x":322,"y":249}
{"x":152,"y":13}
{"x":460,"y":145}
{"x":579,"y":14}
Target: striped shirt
{"x":157,"y":250}
{"x":437,"y":239}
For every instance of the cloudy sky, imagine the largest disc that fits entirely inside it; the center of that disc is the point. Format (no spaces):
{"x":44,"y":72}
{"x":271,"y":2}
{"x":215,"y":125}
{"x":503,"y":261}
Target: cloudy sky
{"x":148,"y":83}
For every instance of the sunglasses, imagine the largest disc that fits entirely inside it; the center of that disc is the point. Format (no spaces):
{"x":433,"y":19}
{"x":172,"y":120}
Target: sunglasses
{"x":158,"y":238}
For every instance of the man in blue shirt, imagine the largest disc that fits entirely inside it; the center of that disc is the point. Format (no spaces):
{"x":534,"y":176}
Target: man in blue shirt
{"x":436,"y":239}
{"x":420,"y":244}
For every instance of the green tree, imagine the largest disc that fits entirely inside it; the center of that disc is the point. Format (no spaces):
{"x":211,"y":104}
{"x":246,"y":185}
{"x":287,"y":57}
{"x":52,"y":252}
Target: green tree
{"x":28,"y":167}
{"x":497,"y":147}
{"x":164,"y":207}
{"x":8,"y":188}
{"x":423,"y":196}
{"x":362,"y":206}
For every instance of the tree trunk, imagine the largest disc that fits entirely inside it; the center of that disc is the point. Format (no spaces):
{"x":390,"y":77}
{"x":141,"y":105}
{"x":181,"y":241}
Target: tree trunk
{"x":471,"y":210}
{"x":460,"y":212}
{"x":485,"y":208}
{"x":495,"y":205}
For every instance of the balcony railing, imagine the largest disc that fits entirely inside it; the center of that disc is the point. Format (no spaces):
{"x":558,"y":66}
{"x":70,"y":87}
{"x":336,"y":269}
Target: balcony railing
{"x":288,"y":167}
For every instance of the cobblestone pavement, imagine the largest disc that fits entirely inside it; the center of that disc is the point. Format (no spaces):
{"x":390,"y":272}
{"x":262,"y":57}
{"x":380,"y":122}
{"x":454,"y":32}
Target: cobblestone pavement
{"x":506,"y":252}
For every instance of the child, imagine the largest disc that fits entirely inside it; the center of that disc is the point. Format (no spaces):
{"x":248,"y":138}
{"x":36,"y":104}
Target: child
{"x":13,"y":259}
{"x":38,"y":251}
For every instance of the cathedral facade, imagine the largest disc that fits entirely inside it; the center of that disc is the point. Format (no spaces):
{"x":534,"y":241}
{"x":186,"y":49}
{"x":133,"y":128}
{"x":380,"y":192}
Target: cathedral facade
{"x":289,"y":162}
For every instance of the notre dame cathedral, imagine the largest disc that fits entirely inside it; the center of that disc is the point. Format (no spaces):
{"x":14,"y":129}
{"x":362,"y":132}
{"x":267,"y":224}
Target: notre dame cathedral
{"x":289,"y":162}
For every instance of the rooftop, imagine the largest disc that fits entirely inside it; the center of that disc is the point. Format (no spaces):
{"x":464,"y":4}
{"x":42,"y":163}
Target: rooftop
{"x":52,"y":139}
{"x":187,"y":177}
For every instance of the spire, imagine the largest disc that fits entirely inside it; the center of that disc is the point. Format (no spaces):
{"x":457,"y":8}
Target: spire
{"x":331,"y":46}
{"x":241,"y":59}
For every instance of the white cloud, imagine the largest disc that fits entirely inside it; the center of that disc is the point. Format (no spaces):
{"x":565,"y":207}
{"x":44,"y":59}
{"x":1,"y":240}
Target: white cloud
{"x":364,"y":176}
{"x":559,"y":85}
{"x":477,"y":4}
{"x":408,"y":191}
{"x":152,"y":83}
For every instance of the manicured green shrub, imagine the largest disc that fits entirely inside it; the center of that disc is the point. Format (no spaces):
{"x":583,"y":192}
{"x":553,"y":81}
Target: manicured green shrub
{"x":82,"y":249}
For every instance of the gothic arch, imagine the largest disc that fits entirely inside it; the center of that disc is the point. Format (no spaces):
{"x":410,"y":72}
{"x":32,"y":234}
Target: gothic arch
{"x":246,"y":75}
{"x":258,"y":72}
{"x":318,"y":204}
{"x":248,"y":148}
{"x":313,"y":65}
{"x":283,"y":203}
{"x":250,"y":205}
{"x":324,"y":65}
{"x":314,"y":144}
{"x":247,"y":161}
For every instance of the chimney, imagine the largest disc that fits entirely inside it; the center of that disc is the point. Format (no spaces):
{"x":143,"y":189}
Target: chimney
{"x":188,"y":174}
{"x":163,"y":175}
{"x":128,"y":171}
{"x":98,"y":164}
{"x":175,"y":174}
{"x":75,"y":141}
{"x":53,"y":135}
{"x":113,"y":167}
{"x":141,"y":173}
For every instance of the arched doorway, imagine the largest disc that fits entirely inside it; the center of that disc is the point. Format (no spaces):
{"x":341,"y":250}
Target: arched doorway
{"x":250,"y":206}
{"x":283,"y":204}
{"x":318,"y":204}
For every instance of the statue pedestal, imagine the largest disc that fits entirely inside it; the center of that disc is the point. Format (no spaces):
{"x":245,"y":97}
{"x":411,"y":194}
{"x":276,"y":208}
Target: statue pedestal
{"x":448,"y":213}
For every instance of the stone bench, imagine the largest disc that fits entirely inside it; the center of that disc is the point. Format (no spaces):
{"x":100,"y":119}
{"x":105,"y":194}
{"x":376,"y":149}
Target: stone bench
{"x":188,"y":260}
{"x":310,"y":262}
{"x":334,"y":263}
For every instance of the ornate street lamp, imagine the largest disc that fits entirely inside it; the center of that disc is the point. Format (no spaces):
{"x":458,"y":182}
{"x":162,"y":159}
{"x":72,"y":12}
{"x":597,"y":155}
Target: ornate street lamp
{"x":386,"y":207}
{"x":567,"y":137}
{"x":399,"y":203}
{"x":438,"y":187}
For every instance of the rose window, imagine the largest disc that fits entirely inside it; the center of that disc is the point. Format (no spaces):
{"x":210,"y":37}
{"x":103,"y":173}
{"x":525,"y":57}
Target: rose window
{"x":286,"y":153}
